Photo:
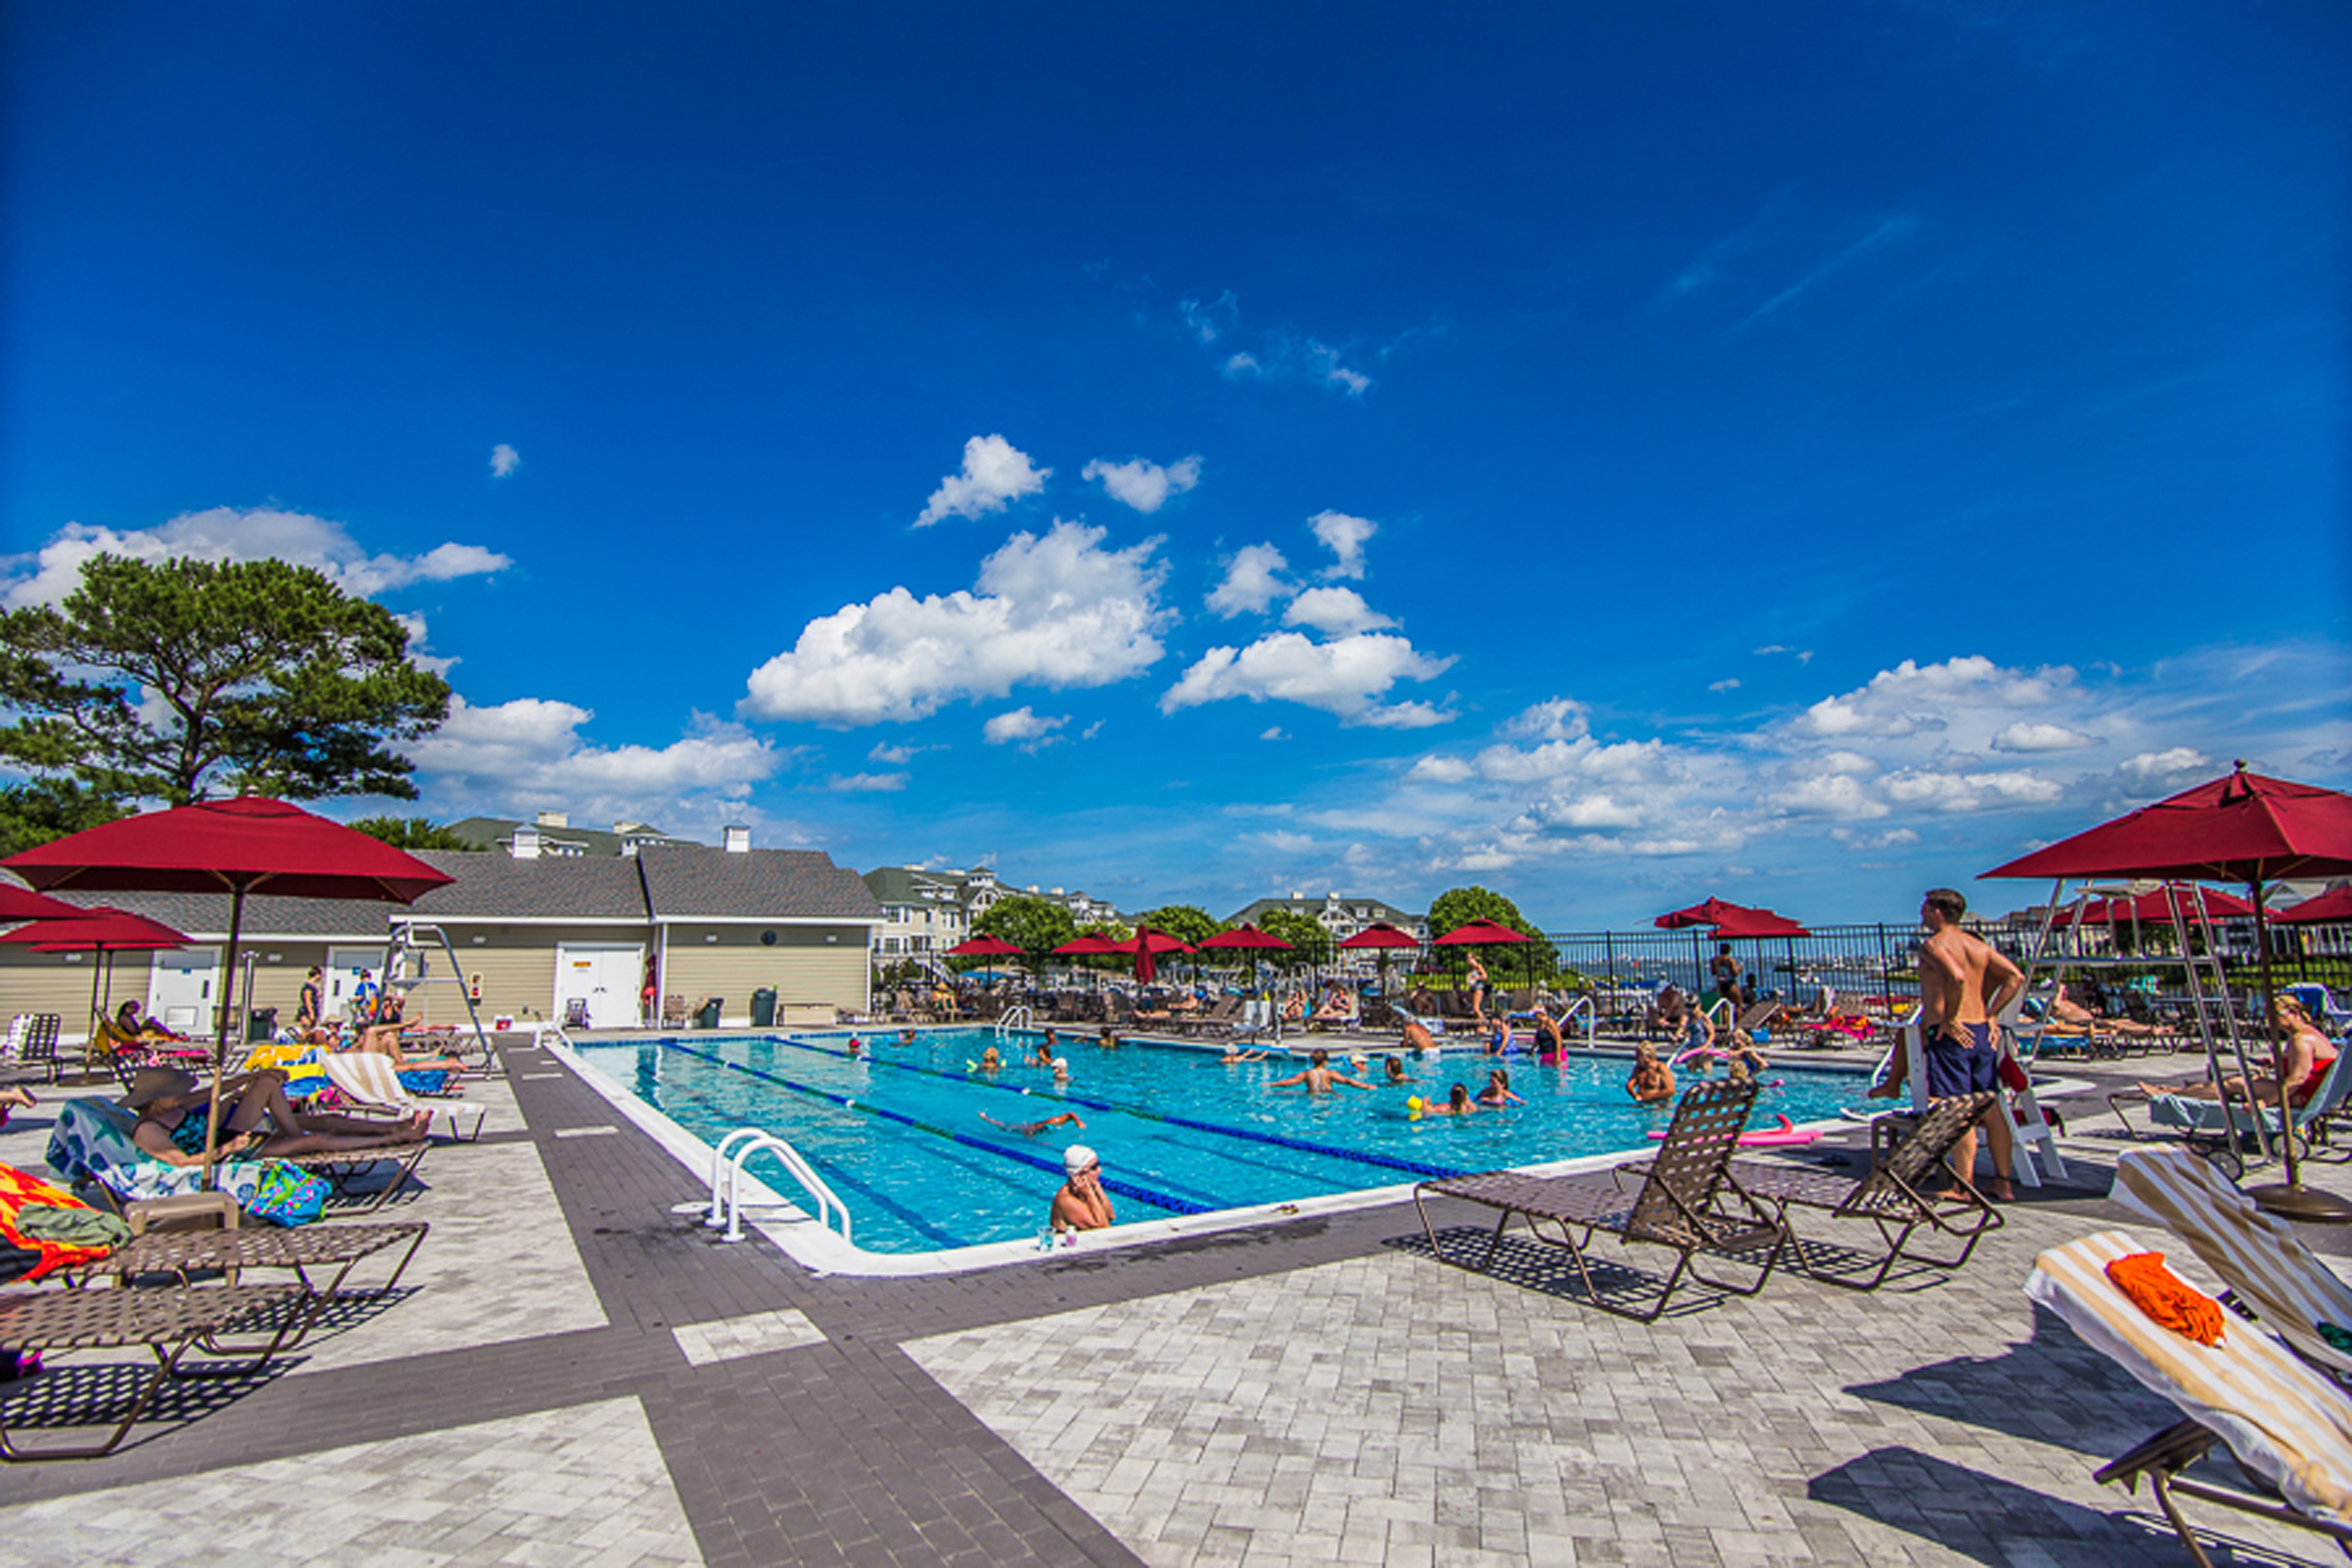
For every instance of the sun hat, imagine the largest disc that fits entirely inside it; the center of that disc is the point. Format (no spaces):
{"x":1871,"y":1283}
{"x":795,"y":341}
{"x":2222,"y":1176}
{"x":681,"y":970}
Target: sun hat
{"x":1078,"y":1158}
{"x":154,"y":1083}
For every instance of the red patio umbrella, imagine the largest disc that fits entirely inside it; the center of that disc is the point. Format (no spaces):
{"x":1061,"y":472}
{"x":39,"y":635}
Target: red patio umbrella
{"x":100,"y":931}
{"x":1093,"y":944}
{"x":23,"y":904}
{"x":2333,"y":905}
{"x":238,"y":847}
{"x":1383,"y":938}
{"x":1145,"y":944}
{"x":1245,"y":937}
{"x":2243,"y":827}
{"x":984,"y":947}
{"x":1712,"y":912}
{"x":1480,"y":934}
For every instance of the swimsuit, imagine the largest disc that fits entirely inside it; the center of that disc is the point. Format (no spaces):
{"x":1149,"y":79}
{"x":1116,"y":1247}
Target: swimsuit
{"x":2301,"y":1094}
{"x":1967,"y":1065}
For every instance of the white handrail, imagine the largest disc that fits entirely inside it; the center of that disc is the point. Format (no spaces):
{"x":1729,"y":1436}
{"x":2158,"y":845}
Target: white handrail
{"x":1584,"y":1005}
{"x":714,"y":1210}
{"x":1016,"y":1016}
{"x":827,"y":1202}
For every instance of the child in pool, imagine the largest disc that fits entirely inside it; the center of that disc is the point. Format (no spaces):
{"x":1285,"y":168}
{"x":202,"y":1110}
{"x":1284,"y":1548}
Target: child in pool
{"x":1457,"y":1103}
{"x":1394,"y":1069}
{"x":991,"y":1059}
{"x":1498,"y":1092}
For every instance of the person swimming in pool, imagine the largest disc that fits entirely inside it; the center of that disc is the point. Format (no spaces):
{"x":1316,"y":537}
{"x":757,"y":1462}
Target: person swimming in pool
{"x":1418,"y":1038}
{"x":1498,"y":1092}
{"x":906,"y":1036}
{"x":1234,"y":1054}
{"x":1394,"y":1067}
{"x":856,"y":1046}
{"x":991,"y":1059}
{"x":1652,"y":1081}
{"x":1457,"y":1103}
{"x":1319,"y":1076}
{"x":1046,"y":1050}
{"x":1030,"y":1129}
{"x":1082,"y":1204}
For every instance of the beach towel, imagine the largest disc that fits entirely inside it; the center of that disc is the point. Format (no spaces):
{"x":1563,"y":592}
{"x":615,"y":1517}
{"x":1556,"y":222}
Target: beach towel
{"x":23,"y":1197}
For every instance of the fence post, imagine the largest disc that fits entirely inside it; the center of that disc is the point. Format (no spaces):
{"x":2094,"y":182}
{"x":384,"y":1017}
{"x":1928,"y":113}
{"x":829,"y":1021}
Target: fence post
{"x":1886,"y":970}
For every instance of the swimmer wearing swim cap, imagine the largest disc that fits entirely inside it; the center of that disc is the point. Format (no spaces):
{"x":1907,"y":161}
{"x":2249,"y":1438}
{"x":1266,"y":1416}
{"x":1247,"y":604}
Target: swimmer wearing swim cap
{"x":1082,"y":1204}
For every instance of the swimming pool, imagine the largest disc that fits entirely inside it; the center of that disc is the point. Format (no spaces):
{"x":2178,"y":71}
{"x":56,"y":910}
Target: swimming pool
{"x":902,"y":1135}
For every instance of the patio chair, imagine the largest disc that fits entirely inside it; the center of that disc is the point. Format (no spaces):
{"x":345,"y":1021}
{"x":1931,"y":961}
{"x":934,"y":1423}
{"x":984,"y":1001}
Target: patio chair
{"x":168,"y":1322}
{"x":2287,"y":1426}
{"x":228,"y":1252}
{"x":1758,"y":1015}
{"x":92,"y":1145}
{"x":372,"y":1085}
{"x":2321,"y":1007}
{"x":2201,"y":1125}
{"x":1893,"y":1197}
{"x":39,"y":1048}
{"x":2259,"y":1258}
{"x":1679,"y":1206}
{"x":673,"y":1009}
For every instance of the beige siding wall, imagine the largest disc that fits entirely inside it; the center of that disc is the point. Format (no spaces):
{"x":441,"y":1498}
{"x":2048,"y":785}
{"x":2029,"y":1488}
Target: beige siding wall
{"x":40,"y":982}
{"x":825,"y":964}
{"x":517,"y":966}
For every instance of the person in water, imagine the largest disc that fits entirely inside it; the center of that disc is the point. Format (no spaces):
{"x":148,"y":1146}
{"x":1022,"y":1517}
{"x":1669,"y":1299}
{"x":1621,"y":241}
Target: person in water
{"x":1652,"y":1080}
{"x":1319,"y":1077}
{"x":1046,"y":1050}
{"x":1498,"y":1092}
{"x":1030,"y":1129}
{"x":1457,"y":1103}
{"x":1394,"y":1069}
{"x":1234,"y":1054}
{"x":1418,"y":1038}
{"x":991,"y":1059}
{"x":1082,"y":1204}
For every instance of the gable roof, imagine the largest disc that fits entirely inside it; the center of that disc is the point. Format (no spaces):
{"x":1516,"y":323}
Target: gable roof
{"x":497,"y":833}
{"x":492,"y":886}
{"x":703,"y":883}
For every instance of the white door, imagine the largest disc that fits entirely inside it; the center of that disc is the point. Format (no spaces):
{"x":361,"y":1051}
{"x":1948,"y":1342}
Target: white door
{"x":344,"y":966}
{"x":606,"y":975}
{"x":179,"y":991}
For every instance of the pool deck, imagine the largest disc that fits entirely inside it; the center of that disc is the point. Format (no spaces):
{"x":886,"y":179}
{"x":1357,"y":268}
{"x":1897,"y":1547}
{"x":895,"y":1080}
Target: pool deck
{"x":572,"y":1373}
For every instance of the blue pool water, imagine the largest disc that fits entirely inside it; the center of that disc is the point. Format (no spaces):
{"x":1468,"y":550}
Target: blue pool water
{"x":920,"y":1169}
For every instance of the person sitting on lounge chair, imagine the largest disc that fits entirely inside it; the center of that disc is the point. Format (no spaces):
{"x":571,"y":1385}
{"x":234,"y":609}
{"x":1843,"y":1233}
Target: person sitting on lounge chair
{"x":146,"y":1031}
{"x":381,"y":1036}
{"x":1665,"y":1013}
{"x":1338,"y":1007}
{"x":1294,"y":1009}
{"x":2307,"y":1056}
{"x":1652,"y":1081}
{"x":2068,"y":1016}
{"x":172,"y":1106}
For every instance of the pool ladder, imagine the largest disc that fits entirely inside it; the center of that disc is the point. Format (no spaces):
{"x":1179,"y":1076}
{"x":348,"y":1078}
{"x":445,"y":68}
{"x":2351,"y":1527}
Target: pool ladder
{"x":726,"y":1212}
{"x":1016,"y":1016}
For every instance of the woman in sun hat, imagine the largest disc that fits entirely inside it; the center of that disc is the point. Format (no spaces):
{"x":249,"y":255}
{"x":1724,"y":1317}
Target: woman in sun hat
{"x":1082,"y":1204}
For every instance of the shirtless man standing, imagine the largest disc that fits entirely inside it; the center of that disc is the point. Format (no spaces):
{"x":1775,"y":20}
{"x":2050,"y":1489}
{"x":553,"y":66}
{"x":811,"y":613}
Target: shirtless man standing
{"x":1964,"y":985}
{"x":1318,"y":1076}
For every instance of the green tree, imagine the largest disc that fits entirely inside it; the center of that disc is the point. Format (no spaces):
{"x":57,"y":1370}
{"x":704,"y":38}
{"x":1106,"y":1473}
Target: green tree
{"x":410,"y":833}
{"x":161,"y":681}
{"x":1187,"y":922}
{"x":1302,"y":931}
{"x":1036,"y":926}
{"x":1456,"y":907}
{"x":40,"y":809}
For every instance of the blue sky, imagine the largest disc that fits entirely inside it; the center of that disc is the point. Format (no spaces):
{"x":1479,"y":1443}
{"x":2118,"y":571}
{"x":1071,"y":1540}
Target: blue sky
{"x":1611,"y":453}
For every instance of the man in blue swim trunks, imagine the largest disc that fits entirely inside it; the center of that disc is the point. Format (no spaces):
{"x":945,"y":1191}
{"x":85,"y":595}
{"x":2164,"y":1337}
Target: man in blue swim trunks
{"x":1964,"y":985}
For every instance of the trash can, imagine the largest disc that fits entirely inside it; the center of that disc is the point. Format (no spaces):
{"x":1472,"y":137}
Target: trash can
{"x":706,"y":1016}
{"x":763,"y":1008}
{"x":261,"y":1024}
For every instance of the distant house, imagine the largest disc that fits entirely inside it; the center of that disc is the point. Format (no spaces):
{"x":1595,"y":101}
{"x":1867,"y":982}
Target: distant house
{"x":928,"y":910}
{"x":1341,"y":914}
{"x":551,"y":835}
{"x":538,"y":931}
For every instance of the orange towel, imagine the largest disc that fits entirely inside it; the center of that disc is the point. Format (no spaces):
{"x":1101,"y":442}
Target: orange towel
{"x":2161,"y":1294}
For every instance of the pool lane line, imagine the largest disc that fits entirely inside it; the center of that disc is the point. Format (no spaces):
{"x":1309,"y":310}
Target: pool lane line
{"x":1409,"y":1168}
{"x":1125,"y":1189}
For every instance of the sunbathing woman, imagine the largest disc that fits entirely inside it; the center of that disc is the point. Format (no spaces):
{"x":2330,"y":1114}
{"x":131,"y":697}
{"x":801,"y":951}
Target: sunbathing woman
{"x":2306,"y":1053}
{"x":172,"y":1120}
{"x":1498,"y":1092}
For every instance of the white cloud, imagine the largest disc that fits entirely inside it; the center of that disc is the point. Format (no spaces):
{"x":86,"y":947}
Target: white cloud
{"x":2030,"y":736}
{"x":529,"y":753}
{"x":1242,"y":365}
{"x":1558,"y":718}
{"x":225,"y":533}
{"x":894,"y":755}
{"x":1913,"y":698}
{"x":1323,"y":365}
{"x":504,"y":461}
{"x":1334,"y":611}
{"x":867,"y":783}
{"x":1832,"y":795}
{"x":1055,"y":611}
{"x":1143,"y":484}
{"x":1435,"y":770}
{"x":1252,"y":581}
{"x":1730,"y":685}
{"x":1207,"y":322}
{"x":1020,"y":725}
{"x":1345,"y":537}
{"x":1772,"y":648}
{"x":2172,"y":763}
{"x":995,"y":473}
{"x":414,"y":624}
{"x":1274,"y":732}
{"x":1346,"y":678}
{"x":1940,"y":791}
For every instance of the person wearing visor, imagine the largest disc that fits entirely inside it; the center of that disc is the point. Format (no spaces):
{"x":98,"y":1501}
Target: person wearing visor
{"x":1082,"y":1204}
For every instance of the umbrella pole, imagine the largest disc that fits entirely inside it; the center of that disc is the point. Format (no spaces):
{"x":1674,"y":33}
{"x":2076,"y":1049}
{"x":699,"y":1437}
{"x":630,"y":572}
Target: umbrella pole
{"x":228,"y":1016}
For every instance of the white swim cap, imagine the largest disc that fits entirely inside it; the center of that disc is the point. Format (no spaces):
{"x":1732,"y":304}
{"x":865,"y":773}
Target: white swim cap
{"x":1077,"y":1157}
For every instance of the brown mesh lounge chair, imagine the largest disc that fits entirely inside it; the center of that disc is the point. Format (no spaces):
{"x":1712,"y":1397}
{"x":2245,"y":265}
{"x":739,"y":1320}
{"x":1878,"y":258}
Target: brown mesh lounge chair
{"x":228,"y":1252}
{"x":168,"y":1322}
{"x":1680,"y":1205}
{"x":1892,"y":1197}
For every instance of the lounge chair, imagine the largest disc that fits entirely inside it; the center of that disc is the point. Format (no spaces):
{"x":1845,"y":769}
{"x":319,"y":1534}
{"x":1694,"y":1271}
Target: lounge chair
{"x":38,"y":1045}
{"x":169,"y":1322}
{"x":2287,"y":1424}
{"x":1893,"y":1197}
{"x":1679,"y":1205}
{"x":1757,"y":1015}
{"x":91,"y":1144}
{"x":673,"y":1009}
{"x":369,"y":1081}
{"x":2266,"y":1266}
{"x":2201,"y":1126}
{"x":230,"y":1251}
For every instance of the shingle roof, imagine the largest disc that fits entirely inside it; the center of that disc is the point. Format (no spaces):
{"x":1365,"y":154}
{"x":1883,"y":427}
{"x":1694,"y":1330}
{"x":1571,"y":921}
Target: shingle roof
{"x":205,"y":914}
{"x":548,"y":888}
{"x":686,"y":883}
{"x":497,"y":832}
